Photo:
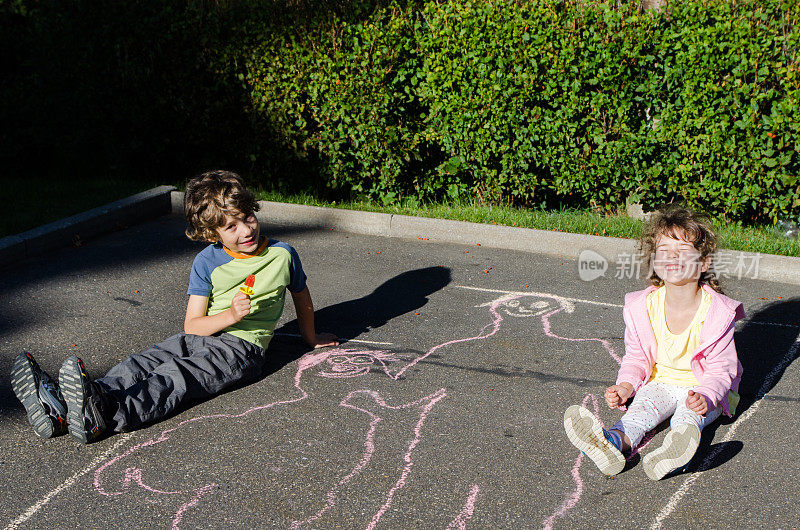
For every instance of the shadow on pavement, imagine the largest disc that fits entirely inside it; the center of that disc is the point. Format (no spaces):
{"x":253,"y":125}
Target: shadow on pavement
{"x":766,"y":348}
{"x":400,"y":295}
{"x":765,"y":345}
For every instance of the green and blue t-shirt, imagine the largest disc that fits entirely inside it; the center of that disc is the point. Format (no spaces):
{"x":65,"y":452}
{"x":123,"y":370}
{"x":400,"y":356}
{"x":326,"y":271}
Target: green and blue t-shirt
{"x":217,"y":273}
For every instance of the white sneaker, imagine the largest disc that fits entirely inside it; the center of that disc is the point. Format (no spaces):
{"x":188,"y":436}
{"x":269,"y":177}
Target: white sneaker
{"x":677,"y":450}
{"x":586,"y":433}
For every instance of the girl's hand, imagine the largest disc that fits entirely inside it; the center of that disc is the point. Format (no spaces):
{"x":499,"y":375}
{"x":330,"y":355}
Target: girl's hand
{"x":240,"y":306}
{"x":617,"y":395}
{"x":697,"y":403}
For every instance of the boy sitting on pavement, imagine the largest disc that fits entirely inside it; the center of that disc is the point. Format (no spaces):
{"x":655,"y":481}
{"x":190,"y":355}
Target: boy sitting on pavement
{"x":226,"y":329}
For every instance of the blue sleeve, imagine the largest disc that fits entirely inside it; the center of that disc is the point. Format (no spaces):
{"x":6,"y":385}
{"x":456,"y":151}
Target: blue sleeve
{"x":200,"y":277}
{"x":297,"y":276}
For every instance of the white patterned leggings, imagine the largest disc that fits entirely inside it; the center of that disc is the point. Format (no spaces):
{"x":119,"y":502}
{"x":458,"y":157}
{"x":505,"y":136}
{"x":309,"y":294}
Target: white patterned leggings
{"x":654,"y":403}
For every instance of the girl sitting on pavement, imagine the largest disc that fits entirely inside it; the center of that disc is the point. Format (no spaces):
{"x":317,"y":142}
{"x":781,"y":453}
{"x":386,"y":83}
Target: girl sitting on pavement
{"x":680,"y":357}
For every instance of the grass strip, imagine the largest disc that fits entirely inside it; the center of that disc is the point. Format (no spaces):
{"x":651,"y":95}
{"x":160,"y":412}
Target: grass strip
{"x":762,"y":240}
{"x":38,"y":201}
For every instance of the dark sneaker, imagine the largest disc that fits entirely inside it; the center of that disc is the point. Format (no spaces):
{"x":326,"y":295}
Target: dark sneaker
{"x":586,"y":433}
{"x":39,"y":394}
{"x":677,"y":450}
{"x":83,"y":400}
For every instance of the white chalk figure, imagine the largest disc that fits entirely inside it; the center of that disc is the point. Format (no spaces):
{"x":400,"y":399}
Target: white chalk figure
{"x":473,"y":457}
{"x":285,"y":458}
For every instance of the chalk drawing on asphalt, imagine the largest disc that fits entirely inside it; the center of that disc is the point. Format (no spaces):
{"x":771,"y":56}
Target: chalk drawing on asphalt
{"x":115,"y":477}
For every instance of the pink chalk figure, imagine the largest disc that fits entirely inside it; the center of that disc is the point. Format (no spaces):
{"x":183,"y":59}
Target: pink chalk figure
{"x":486,"y":463}
{"x":518,"y":307}
{"x":141,"y":469}
{"x":546,"y":307}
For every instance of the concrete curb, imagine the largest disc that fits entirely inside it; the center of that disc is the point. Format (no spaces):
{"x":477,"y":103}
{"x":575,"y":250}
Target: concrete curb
{"x":618,"y":251}
{"x":604,"y":251}
{"x":78,"y":228}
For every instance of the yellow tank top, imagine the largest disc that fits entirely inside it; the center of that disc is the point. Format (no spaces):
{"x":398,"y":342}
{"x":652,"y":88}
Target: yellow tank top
{"x":675,"y":350}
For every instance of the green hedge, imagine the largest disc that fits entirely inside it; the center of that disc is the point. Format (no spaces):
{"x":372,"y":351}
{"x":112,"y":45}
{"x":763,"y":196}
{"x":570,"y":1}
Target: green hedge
{"x":727,"y":97}
{"x":536,"y":101}
{"x":539,"y":103}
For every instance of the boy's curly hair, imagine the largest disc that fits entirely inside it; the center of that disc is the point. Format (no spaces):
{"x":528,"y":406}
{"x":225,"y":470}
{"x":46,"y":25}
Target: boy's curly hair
{"x":211,"y":196}
{"x":679,"y":222}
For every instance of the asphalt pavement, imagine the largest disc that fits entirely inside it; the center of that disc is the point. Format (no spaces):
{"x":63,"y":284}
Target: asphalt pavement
{"x":442,"y":408}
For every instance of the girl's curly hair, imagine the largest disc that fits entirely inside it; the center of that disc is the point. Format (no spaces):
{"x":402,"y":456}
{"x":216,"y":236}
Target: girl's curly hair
{"x":680,"y":223}
{"x":211,"y":196}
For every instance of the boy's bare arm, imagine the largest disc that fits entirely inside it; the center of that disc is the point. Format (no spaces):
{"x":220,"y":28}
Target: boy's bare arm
{"x":305,"y":319}
{"x":198,"y":323}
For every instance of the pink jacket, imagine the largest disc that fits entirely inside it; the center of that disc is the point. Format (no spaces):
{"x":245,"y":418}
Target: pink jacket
{"x":714,"y":364}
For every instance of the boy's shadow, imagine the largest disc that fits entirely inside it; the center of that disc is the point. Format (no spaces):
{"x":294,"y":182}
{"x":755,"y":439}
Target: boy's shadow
{"x":397,"y":296}
{"x":764,"y":346}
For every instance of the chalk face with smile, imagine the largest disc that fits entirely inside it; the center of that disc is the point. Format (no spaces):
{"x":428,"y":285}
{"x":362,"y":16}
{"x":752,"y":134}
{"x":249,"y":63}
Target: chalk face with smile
{"x":529,"y":306}
{"x":341,"y":363}
{"x":677,"y":261}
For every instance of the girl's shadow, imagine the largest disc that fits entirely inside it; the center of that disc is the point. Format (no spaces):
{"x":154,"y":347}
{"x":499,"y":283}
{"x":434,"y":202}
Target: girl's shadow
{"x":764,"y":345}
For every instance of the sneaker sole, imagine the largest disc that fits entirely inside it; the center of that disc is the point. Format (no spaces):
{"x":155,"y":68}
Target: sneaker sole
{"x":677,"y":450}
{"x":586,"y":433}
{"x":74,"y":391}
{"x":24,"y":384}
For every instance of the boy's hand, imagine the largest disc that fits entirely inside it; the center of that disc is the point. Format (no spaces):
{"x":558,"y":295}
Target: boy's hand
{"x":323,"y":339}
{"x":616,"y":395}
{"x":697,"y":403}
{"x":240,"y":306}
